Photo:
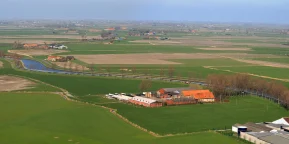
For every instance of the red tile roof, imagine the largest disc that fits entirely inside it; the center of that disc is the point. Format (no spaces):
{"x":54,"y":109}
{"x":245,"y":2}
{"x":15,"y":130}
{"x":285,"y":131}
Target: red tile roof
{"x":199,"y":94}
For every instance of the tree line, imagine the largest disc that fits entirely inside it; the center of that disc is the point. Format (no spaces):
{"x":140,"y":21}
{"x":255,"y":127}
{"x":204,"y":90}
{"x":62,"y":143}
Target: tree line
{"x":224,"y":86}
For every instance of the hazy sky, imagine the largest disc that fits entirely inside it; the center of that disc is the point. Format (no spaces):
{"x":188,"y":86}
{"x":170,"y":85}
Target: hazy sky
{"x":269,"y":11}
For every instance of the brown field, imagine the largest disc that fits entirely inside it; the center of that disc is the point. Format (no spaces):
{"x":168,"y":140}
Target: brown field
{"x":67,"y":65}
{"x":156,"y":41}
{"x":215,"y":41}
{"x":263,"y":63}
{"x":227,"y":49}
{"x":35,"y":52}
{"x":47,"y":37}
{"x":9,"y":83}
{"x":245,"y":55}
{"x":1,"y":64}
{"x":29,"y":41}
{"x":158,"y":58}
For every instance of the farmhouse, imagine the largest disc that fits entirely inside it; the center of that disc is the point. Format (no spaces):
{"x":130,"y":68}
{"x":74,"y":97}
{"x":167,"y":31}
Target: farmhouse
{"x":30,"y":45}
{"x":121,"y":97}
{"x":171,"y":92}
{"x":70,"y":58}
{"x":199,"y":95}
{"x":181,"y":101}
{"x":56,"y":58}
{"x":146,"y":102}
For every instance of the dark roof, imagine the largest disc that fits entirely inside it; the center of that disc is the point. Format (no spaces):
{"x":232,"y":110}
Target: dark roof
{"x":256,"y":127}
{"x":276,"y":139}
{"x":173,"y":90}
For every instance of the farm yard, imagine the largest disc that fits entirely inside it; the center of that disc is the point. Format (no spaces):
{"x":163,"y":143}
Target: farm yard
{"x":80,"y":112}
{"x":195,"y":118}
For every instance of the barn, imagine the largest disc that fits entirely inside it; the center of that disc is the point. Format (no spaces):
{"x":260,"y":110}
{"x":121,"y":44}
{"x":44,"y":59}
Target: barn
{"x":284,"y":121}
{"x":171,"y":92}
{"x":200,"y":95}
{"x":146,"y":102}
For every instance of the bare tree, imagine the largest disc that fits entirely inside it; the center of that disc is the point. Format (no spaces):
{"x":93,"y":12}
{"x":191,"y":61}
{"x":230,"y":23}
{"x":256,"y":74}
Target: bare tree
{"x":65,"y":65}
{"x":1,"y":53}
{"x":108,"y":70}
{"x":133,"y":70}
{"x":53,"y":65}
{"x":70,"y":66}
{"x":17,"y":45}
{"x":91,"y":68}
{"x":82,"y":67}
{"x":76,"y":68}
{"x":122,"y":71}
{"x":171,"y":71}
{"x":162,"y":72}
{"x":145,"y":85}
{"x":196,"y":86}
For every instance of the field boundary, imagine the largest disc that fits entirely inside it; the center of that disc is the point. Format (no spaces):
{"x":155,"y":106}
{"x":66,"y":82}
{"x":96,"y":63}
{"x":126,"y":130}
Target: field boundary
{"x":261,"y":76}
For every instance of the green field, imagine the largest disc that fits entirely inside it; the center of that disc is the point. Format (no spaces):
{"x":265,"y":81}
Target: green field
{"x":202,"y":117}
{"x":277,"y":60}
{"x":63,"y":122}
{"x":281,"y":73}
{"x":85,"y":85}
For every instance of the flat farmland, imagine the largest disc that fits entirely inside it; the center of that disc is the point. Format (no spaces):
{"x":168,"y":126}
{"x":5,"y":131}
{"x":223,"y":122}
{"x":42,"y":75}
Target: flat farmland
{"x":68,"y":122}
{"x":277,"y":60}
{"x":86,"y":85}
{"x":202,"y":117}
{"x":281,"y":73}
{"x":149,"y":58}
{"x":36,"y":52}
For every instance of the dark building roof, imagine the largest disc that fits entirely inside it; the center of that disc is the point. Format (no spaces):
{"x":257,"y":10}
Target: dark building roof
{"x":171,"y":90}
{"x":276,"y":139}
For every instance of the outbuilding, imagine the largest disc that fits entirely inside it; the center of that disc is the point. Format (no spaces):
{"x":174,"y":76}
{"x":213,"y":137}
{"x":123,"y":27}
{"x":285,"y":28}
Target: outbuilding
{"x":284,"y":121}
{"x":200,"y":95}
{"x":146,"y":102}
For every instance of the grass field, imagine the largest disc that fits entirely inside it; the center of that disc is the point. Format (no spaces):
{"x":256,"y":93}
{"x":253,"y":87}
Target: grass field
{"x":84,"y":85}
{"x":277,"y":60}
{"x":66,"y":122}
{"x":281,"y":73}
{"x":194,"y":118}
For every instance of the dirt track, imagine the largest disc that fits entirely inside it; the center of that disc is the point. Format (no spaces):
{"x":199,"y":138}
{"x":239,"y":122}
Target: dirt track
{"x":9,"y":83}
{"x":36,"y":52}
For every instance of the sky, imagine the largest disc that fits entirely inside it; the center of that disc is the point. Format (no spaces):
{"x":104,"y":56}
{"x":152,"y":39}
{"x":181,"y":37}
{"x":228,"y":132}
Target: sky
{"x":255,"y":11}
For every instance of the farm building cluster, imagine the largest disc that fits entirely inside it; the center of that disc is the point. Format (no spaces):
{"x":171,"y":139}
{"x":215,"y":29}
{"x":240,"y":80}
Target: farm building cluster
{"x":167,"y":96}
{"x":276,"y":132}
{"x":60,"y":58}
{"x":44,"y":46}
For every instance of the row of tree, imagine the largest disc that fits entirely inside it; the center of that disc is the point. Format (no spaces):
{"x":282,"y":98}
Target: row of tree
{"x":227,"y":85}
